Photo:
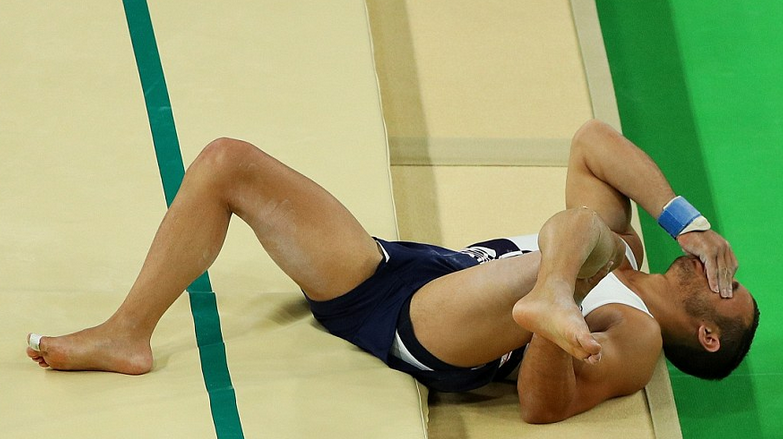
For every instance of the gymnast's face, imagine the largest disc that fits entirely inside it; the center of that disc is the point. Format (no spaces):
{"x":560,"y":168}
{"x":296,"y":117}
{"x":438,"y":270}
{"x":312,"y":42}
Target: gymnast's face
{"x":700,"y":301}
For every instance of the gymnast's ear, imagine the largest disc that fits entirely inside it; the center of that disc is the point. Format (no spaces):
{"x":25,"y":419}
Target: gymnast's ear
{"x":709,"y":337}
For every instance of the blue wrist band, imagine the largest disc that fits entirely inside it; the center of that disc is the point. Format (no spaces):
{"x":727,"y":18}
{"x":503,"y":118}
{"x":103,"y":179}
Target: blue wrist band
{"x":677,"y":215}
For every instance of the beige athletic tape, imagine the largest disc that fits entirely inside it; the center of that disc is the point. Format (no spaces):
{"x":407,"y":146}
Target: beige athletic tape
{"x":35,"y":342}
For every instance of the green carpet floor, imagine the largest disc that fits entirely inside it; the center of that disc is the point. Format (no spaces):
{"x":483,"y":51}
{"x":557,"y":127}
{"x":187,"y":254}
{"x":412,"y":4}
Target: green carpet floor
{"x":700,"y":88}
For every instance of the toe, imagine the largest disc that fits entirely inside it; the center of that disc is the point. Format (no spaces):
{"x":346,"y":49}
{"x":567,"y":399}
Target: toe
{"x":593,"y":359}
{"x":589,"y":344}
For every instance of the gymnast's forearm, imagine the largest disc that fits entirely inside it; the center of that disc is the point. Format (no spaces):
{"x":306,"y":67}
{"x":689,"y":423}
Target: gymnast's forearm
{"x":605,"y":170}
{"x":546,"y":383}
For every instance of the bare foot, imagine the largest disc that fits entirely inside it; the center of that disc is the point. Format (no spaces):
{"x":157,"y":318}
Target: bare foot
{"x":93,"y":349}
{"x":550,"y":311}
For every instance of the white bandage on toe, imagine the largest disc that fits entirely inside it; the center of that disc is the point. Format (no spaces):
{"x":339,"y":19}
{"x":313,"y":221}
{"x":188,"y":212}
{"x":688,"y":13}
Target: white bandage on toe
{"x":35,"y":342}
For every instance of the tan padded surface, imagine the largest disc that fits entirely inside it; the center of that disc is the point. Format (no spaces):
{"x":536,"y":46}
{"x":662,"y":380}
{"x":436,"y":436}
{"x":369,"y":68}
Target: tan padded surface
{"x":81,"y":200}
{"x":80,"y":197}
{"x":459,"y":77}
{"x":511,"y":200}
{"x":477,"y":97}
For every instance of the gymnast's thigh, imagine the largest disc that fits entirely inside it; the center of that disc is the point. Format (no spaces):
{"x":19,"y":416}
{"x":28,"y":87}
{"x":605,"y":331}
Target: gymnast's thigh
{"x":464,"y":318}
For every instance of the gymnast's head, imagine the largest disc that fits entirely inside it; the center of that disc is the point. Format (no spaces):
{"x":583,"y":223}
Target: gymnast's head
{"x":715,"y":333}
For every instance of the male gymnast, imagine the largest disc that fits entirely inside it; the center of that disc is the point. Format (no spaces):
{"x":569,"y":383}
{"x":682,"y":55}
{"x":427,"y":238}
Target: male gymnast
{"x":568,"y":309}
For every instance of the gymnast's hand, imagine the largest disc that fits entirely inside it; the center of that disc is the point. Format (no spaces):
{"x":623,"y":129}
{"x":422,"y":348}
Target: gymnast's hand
{"x":718,"y":258}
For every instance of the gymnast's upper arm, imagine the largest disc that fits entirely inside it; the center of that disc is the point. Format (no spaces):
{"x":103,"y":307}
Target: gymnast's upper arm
{"x":630,"y":351}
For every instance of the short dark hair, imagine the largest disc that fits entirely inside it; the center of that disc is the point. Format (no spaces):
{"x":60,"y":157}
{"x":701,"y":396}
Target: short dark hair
{"x":735,"y":343}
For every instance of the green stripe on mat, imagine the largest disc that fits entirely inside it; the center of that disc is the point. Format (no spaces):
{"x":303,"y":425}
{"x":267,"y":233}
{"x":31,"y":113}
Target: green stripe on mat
{"x":203,"y":304}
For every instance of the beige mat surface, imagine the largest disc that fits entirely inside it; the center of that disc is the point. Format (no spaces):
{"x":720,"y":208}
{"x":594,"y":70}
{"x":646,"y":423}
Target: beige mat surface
{"x":481,"y":100}
{"x":477,"y":97}
{"x":81,"y":200}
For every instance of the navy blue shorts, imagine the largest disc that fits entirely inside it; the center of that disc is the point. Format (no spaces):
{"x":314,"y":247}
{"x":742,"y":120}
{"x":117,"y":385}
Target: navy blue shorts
{"x":369,"y":315}
{"x":442,"y":376}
